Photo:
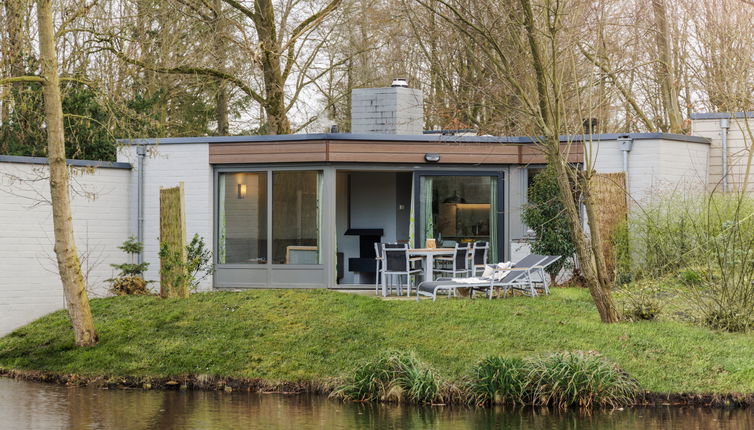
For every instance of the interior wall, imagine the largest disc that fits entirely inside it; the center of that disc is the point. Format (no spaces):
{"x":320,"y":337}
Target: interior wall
{"x":403,"y":184}
{"x":373,"y":204}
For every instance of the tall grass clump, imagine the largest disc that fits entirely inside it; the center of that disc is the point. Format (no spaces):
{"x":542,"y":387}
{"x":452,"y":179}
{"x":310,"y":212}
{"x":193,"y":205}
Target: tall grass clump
{"x":562,"y":380}
{"x":394,"y":376}
{"x":498,"y":380}
{"x":709,"y":233}
{"x":579,"y":379}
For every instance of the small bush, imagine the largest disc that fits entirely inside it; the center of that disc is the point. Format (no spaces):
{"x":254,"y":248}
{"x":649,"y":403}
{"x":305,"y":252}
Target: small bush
{"x":498,"y":380}
{"x":393,"y":377}
{"x":129,"y":285}
{"x":733,"y":319}
{"x":130,"y":279}
{"x":580,"y":379}
{"x":641,"y":302}
{"x":646,"y":310}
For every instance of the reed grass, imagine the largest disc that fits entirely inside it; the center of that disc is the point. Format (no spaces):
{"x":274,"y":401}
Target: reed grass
{"x":394,"y":376}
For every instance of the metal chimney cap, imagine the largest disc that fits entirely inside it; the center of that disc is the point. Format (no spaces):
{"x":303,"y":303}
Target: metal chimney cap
{"x":399,"y":83}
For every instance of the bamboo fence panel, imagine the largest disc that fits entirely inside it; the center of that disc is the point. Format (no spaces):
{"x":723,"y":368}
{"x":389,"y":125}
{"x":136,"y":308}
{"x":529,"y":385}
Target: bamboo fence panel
{"x":609,"y":193}
{"x":173,"y":276}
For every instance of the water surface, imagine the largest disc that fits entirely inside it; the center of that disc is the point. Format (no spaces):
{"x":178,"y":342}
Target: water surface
{"x":42,"y":406}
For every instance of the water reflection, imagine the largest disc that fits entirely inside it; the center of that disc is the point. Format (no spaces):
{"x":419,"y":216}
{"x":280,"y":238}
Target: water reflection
{"x":33,"y":405}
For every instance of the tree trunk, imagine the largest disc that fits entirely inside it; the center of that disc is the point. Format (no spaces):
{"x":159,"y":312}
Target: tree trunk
{"x":221,"y":95}
{"x":665,"y":75}
{"x":274,"y":103}
{"x":548,"y":115}
{"x":589,"y":260}
{"x":15,"y":10}
{"x":69,"y":265}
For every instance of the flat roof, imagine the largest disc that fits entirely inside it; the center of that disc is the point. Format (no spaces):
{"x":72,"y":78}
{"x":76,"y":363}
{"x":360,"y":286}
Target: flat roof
{"x":429,"y":138}
{"x":721,"y":115}
{"x":76,"y":163}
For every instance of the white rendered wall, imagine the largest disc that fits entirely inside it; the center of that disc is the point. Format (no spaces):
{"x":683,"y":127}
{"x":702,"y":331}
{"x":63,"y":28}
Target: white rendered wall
{"x":738,"y":141}
{"x":656,"y":166}
{"x":166,"y":166}
{"x":29,"y":285}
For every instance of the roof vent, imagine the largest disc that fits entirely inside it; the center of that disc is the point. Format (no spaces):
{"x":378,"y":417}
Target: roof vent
{"x":399,"y":83}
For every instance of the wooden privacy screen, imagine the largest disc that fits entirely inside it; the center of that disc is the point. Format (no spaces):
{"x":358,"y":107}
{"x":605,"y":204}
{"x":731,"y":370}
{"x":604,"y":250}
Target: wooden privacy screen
{"x":382,"y":151}
{"x":173,"y":276}
{"x":609,"y":193}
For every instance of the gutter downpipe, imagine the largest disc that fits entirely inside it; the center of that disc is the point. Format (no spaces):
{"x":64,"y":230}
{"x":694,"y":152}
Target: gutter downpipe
{"x":141,"y":152}
{"x":626,"y":144}
{"x":724,"y":127}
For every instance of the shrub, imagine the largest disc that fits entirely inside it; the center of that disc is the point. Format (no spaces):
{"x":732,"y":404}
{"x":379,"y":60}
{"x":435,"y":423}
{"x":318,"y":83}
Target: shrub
{"x":580,"y":379}
{"x":393,"y":377}
{"x":198,"y":262}
{"x":641,"y":302}
{"x":498,"y":380}
{"x":129,"y":285}
{"x":544,"y":214}
{"x":733,"y":319}
{"x":709,"y":239}
{"x":130,"y":279}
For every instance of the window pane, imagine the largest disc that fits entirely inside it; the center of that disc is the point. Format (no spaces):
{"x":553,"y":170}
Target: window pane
{"x":458,"y":209}
{"x":295,"y":217}
{"x":243,"y":218}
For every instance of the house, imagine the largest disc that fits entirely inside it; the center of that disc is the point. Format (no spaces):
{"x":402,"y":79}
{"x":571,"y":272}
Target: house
{"x":303,"y":211}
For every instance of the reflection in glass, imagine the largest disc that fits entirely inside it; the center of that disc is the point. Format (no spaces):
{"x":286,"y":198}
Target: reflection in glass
{"x":242,"y":236}
{"x":459,"y":209}
{"x":296,"y":217}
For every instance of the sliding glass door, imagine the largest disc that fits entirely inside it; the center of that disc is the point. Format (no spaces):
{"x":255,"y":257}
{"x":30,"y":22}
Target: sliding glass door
{"x":460,"y":208}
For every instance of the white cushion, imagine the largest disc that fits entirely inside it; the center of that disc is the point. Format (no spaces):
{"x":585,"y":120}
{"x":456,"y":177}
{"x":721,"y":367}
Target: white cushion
{"x":502,"y":270}
{"x":488,"y":272}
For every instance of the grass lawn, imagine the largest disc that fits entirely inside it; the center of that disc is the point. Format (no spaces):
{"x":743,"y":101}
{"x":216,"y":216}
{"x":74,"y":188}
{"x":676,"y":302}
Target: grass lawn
{"x":310,"y":335}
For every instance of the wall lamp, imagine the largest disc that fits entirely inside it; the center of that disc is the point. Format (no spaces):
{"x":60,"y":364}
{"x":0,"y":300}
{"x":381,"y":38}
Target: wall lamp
{"x":431,"y":157}
{"x":241,"y":191}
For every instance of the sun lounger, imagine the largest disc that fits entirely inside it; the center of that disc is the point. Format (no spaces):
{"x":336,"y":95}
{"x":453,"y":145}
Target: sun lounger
{"x":517,"y":277}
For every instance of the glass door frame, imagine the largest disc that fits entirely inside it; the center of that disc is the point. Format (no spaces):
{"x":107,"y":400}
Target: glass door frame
{"x":271,"y":275}
{"x":500,"y":197}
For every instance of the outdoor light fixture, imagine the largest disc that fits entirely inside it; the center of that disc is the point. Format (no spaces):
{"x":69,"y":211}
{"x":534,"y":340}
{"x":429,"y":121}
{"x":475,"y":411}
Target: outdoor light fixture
{"x":431,"y":157}
{"x":241,"y":191}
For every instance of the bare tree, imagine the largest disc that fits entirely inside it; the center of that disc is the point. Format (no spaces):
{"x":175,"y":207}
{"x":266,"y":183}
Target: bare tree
{"x":550,"y":98}
{"x":69,"y":265}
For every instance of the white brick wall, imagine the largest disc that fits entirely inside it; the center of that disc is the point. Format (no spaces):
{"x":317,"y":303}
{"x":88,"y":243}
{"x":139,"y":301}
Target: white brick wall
{"x":29,"y":285}
{"x":739,"y":139}
{"x":165,"y":166}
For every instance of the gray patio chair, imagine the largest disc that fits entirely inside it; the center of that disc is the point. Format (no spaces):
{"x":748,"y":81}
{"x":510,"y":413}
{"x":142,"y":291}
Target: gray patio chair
{"x":458,"y":263}
{"x":398,"y":263}
{"x":478,"y":256}
{"x":379,"y":258}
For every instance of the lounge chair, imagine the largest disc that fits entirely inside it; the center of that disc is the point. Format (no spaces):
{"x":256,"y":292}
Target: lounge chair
{"x":540,"y":270}
{"x":517,"y":277}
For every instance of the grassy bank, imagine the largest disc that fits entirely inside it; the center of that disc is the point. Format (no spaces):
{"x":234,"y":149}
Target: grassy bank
{"x":310,"y":336}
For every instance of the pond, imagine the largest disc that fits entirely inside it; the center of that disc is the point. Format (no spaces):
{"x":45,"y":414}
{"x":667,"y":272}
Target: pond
{"x":35,"y":405}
